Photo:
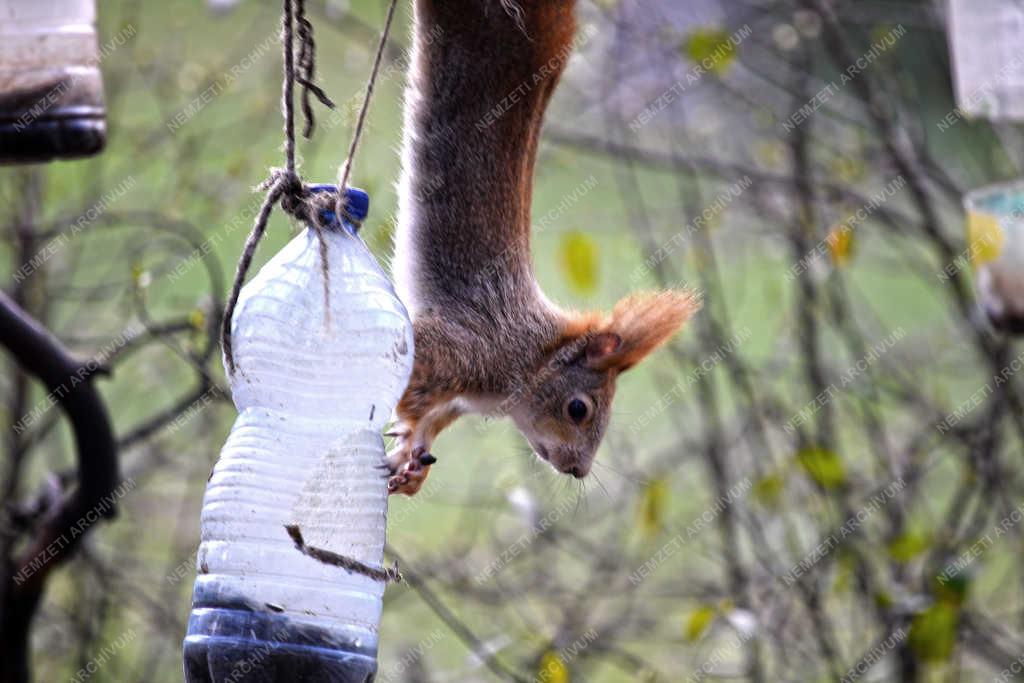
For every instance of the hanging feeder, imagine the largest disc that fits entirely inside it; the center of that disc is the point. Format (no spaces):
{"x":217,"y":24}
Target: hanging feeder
{"x":988,"y":79}
{"x":314,"y":387}
{"x":51,"y":88}
{"x":988,"y":66}
{"x":995,"y":246}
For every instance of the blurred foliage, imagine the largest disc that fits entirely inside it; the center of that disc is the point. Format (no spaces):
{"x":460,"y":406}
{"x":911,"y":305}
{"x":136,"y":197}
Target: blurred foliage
{"x":711,"y":46}
{"x":840,"y":245}
{"x":823,"y":466}
{"x":698,"y":622}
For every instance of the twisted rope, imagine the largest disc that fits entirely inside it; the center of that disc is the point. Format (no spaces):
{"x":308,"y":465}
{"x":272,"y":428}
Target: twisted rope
{"x":346,"y":168}
{"x":307,"y":68}
{"x":284,"y":185}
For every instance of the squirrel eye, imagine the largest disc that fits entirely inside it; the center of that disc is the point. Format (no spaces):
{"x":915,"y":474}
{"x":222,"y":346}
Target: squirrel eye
{"x":577,"y":410}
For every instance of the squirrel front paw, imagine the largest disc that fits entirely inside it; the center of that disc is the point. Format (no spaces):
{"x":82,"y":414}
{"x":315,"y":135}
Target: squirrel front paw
{"x":408,"y":467}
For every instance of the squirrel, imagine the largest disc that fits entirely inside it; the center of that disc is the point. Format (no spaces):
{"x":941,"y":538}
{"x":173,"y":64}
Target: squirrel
{"x":487,"y":339}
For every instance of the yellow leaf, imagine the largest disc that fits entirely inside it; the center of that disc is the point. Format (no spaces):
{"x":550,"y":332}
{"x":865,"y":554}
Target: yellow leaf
{"x":711,"y":49}
{"x":984,"y":237}
{"x":652,"y":506}
{"x":906,"y":547}
{"x":552,"y":669}
{"x":768,"y":489}
{"x":933,"y":632}
{"x":823,"y":466}
{"x":840,"y":244}
{"x":579,"y":259}
{"x":699,"y":621}
{"x":197,"y":319}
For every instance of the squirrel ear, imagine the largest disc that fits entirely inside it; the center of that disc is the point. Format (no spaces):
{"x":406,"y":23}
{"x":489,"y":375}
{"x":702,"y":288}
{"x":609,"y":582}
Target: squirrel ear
{"x":642,"y":323}
{"x":601,"y":346}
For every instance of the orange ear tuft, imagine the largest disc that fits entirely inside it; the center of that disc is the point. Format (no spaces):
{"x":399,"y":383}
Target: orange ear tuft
{"x":644,"y":322}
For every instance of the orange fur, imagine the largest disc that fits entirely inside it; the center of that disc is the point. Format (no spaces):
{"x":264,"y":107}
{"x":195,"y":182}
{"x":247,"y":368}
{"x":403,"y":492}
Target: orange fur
{"x":643,"y":322}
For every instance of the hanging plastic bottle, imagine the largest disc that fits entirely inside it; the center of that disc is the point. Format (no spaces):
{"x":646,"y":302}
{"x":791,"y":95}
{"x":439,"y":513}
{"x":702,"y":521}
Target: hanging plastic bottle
{"x":314,"y":389}
{"x":995,"y":247}
{"x":988,"y":70}
{"x":51,"y":88}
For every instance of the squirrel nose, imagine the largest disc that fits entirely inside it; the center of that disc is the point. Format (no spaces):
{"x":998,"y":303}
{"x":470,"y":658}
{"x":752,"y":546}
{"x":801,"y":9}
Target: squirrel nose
{"x":576,"y":471}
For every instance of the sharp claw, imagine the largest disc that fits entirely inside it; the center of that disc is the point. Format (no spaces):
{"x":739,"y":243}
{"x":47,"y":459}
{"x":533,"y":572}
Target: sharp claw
{"x":392,"y":434}
{"x":383,"y":466}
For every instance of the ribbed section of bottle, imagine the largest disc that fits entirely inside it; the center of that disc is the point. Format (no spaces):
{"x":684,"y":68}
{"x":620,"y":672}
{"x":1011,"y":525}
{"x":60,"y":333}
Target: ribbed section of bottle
{"x":313,"y":392}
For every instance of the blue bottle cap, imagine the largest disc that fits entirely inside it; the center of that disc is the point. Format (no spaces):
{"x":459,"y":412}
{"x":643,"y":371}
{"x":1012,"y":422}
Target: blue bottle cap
{"x":357,"y":204}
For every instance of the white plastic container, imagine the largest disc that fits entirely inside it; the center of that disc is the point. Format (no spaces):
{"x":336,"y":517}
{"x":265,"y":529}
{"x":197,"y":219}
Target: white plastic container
{"x":995,"y":248}
{"x":988,"y":66}
{"x":313,"y":395}
{"x":51,"y":88}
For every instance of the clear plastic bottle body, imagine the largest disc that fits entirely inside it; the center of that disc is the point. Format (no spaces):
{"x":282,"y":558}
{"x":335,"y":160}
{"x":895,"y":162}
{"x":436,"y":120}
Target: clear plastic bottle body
{"x":313,"y":394}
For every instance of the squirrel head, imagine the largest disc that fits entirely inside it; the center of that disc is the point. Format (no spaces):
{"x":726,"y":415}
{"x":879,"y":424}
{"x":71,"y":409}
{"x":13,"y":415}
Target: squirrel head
{"x":565,"y":410}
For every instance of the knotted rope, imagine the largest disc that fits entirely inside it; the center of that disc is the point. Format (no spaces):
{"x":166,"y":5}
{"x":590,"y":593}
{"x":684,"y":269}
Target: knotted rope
{"x":284,"y":185}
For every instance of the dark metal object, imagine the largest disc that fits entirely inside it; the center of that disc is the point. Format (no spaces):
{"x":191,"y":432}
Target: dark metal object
{"x":40,"y":354}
